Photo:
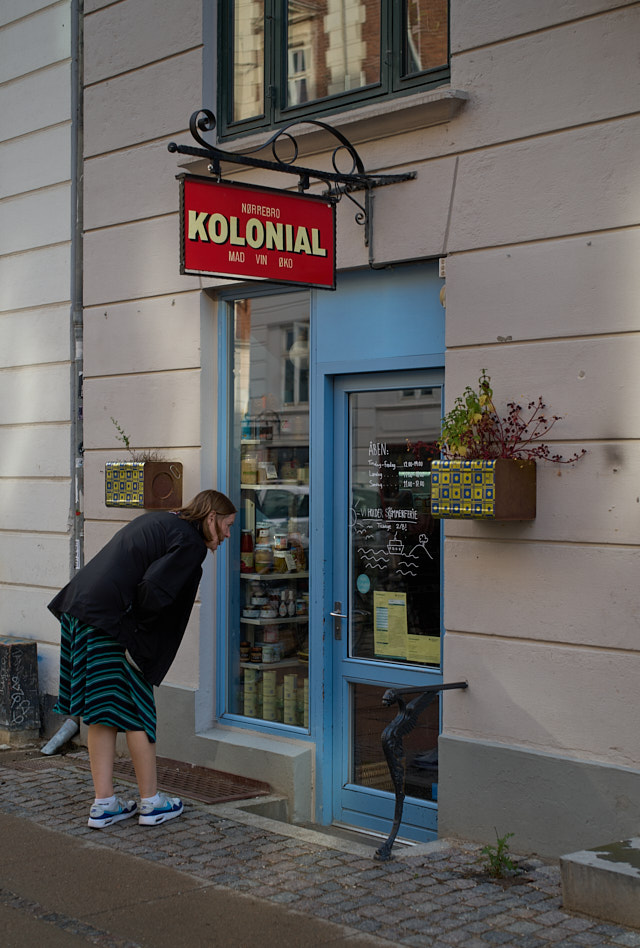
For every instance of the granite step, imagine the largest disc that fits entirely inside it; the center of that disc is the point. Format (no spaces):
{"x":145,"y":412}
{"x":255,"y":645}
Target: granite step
{"x":604,"y":882}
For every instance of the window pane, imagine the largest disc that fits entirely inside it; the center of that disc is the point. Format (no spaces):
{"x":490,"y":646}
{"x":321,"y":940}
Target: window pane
{"x":426,"y":36}
{"x":248,"y":59}
{"x":333,"y":46}
{"x":394,"y":588}
{"x":269,"y":633}
{"x":369,"y":767}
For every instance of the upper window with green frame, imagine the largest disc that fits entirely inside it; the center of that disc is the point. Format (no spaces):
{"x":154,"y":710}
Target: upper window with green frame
{"x":284,"y":60}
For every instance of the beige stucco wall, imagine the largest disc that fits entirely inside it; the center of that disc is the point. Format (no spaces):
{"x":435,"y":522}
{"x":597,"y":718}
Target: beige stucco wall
{"x":543,"y":617}
{"x":36,"y":548}
{"x":142,"y":320}
{"x":531,"y":194}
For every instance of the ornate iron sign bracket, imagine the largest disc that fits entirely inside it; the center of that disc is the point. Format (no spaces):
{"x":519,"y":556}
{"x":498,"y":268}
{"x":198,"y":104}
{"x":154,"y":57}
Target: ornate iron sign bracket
{"x":339,"y":183}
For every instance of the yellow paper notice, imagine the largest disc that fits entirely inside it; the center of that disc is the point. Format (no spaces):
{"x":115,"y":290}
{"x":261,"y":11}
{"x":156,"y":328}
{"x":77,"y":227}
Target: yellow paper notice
{"x":424,"y":649}
{"x":390,"y":624}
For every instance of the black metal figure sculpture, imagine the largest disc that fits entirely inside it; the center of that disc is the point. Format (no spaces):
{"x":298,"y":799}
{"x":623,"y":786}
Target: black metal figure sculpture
{"x":393,"y":745}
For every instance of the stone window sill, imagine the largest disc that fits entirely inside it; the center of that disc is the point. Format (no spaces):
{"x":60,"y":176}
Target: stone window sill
{"x":391,"y":117}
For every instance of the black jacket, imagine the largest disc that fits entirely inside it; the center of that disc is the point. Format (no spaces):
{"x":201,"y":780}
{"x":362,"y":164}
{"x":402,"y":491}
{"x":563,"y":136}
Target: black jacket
{"x":140,"y":588}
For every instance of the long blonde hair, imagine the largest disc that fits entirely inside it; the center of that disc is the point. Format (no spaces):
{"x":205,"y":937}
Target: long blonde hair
{"x":205,"y":503}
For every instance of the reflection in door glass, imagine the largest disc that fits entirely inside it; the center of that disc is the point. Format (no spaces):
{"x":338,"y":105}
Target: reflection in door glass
{"x":369,"y":766}
{"x":394,"y":541}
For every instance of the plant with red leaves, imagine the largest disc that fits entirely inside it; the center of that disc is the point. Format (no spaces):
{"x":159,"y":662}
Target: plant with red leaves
{"x":474,"y":430}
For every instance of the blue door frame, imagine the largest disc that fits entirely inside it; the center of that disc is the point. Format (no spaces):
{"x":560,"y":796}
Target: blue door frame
{"x":376,"y":322}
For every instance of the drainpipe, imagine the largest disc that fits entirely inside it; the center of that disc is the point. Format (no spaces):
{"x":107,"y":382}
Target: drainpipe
{"x":71,"y":726}
{"x":77,"y":374}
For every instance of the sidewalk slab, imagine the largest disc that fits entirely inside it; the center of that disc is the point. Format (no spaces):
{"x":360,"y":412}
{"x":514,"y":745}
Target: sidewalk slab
{"x":60,"y":890}
{"x":225,"y":877}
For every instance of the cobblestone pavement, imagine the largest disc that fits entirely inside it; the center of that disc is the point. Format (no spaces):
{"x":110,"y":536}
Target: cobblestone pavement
{"x":433,"y":898}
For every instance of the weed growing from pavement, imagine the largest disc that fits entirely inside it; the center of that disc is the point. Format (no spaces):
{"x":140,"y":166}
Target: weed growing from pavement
{"x":497,"y":861}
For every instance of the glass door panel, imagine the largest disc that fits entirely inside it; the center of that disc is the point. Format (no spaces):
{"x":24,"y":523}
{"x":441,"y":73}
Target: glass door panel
{"x":394,"y":541}
{"x":387,"y":589}
{"x":369,"y":767}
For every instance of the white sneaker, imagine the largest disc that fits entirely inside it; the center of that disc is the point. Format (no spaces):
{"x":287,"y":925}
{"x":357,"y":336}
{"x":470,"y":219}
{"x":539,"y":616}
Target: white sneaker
{"x":166,"y":809}
{"x":101,"y":816}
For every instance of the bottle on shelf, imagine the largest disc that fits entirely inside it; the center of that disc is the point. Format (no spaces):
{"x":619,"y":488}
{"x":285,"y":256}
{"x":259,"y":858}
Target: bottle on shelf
{"x":246,"y":552}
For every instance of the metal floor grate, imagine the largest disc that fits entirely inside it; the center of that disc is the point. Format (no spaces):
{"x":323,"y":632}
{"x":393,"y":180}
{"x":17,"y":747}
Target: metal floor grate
{"x":174,"y":776}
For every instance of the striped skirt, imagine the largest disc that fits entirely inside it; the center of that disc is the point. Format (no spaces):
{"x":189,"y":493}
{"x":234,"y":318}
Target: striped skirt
{"x":98,"y":684}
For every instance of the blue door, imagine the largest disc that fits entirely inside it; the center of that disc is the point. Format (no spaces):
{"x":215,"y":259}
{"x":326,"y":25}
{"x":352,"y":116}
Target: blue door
{"x":386,"y":579}
{"x":378,"y":348}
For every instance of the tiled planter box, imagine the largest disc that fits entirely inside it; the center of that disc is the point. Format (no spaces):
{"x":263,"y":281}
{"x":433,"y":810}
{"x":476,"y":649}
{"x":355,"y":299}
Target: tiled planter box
{"x":500,"y":489}
{"x":154,"y":485}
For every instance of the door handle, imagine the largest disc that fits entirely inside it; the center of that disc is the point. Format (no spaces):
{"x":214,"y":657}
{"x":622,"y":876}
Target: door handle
{"x":338,"y":616}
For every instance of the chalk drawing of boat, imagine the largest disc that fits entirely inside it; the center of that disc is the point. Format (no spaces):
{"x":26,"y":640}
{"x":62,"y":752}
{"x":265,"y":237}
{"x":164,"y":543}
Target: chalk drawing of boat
{"x":395,"y":546}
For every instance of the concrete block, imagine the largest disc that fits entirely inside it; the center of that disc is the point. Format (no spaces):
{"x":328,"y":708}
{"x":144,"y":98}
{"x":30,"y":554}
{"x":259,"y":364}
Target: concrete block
{"x":32,"y":560}
{"x":553,"y":803}
{"x":130,"y":185}
{"x":152,"y":271}
{"x":117,"y":112}
{"x":33,"y":394}
{"x":31,"y":337}
{"x":474,"y":24}
{"x":125,"y":36}
{"x":19,"y":704}
{"x":600,"y":611}
{"x":552,"y":185}
{"x":46,"y":91}
{"x":22,"y":165}
{"x":116,"y":337}
{"x":539,"y":694}
{"x":159,"y":411}
{"x":604,"y":882}
{"x":18,"y":289}
{"x":36,"y":41}
{"x":36,"y":220}
{"x":35,"y":450}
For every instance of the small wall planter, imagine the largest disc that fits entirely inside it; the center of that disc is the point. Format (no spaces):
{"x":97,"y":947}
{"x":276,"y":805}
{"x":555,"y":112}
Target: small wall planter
{"x":499,"y":489}
{"x":154,"y":485}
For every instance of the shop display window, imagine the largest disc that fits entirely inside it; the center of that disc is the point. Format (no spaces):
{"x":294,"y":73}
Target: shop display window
{"x":268,"y":654}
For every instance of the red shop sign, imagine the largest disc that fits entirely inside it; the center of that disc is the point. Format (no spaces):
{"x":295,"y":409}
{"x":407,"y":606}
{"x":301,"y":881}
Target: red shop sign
{"x":250,"y":233}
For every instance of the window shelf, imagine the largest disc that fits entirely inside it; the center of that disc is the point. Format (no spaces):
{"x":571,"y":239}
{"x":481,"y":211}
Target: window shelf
{"x":292,"y":486}
{"x":261,"y":576}
{"x":267,"y":666}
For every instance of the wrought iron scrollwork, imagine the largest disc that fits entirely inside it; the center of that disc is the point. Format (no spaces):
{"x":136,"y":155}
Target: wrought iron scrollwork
{"x":339,"y":183}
